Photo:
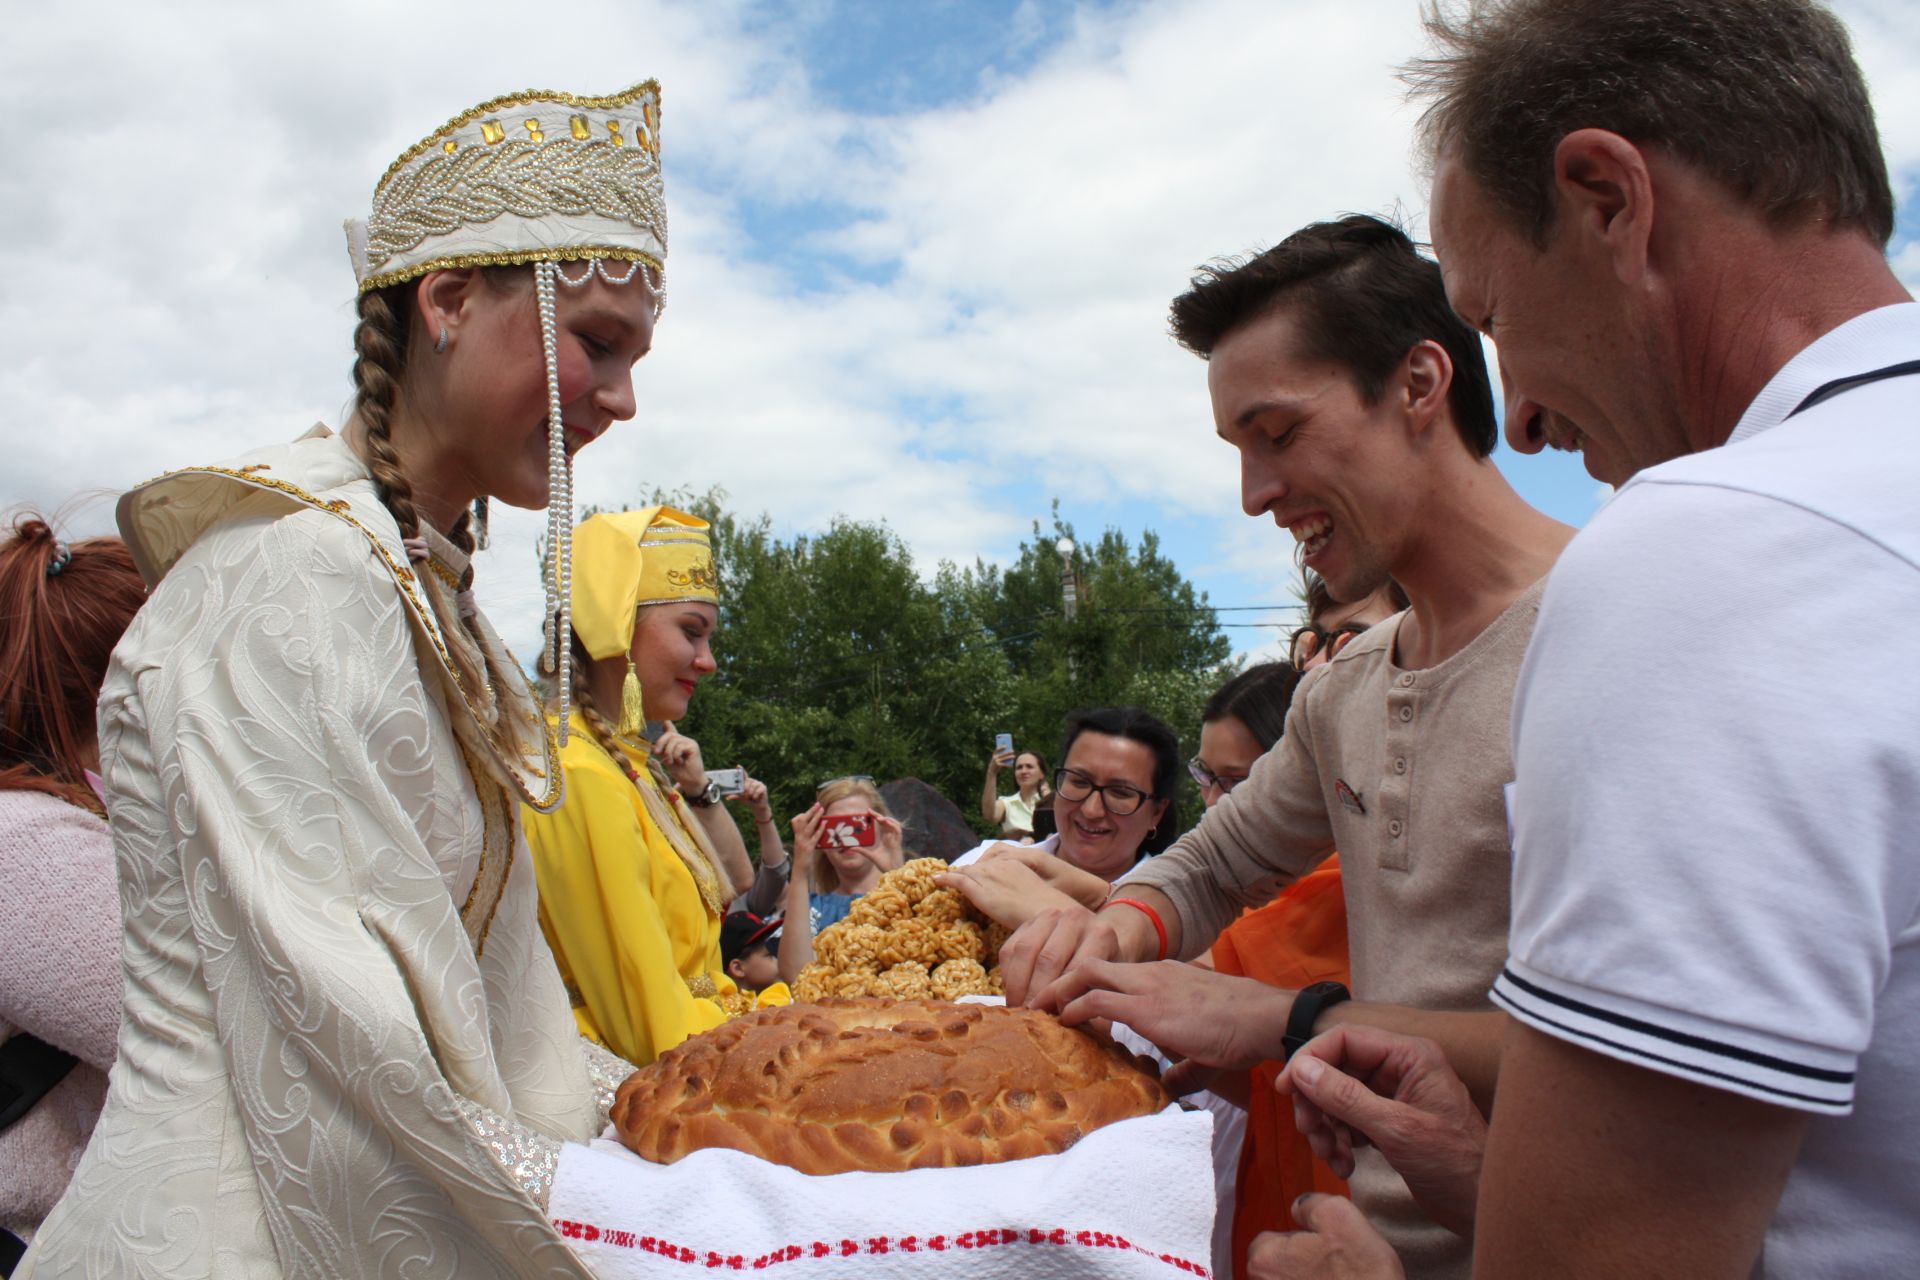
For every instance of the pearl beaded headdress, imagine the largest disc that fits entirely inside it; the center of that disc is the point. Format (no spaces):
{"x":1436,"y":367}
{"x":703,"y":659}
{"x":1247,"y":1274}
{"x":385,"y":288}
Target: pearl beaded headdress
{"x":542,"y":178}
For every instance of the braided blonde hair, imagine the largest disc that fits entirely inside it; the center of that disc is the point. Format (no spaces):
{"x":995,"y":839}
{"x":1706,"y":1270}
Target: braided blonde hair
{"x":687,"y":838}
{"x":380,"y":342}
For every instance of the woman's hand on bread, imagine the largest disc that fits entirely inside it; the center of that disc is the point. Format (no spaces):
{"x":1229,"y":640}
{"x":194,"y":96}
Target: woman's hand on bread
{"x":1083,"y":887}
{"x":1005,"y":890}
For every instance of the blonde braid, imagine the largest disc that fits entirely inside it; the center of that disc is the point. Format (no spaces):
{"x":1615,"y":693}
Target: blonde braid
{"x":380,"y":345}
{"x":597,"y":725}
{"x":701,"y":861}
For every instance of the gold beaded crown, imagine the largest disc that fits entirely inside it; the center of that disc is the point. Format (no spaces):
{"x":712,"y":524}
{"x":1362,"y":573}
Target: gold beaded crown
{"x":536,"y":178}
{"x":530,"y":177}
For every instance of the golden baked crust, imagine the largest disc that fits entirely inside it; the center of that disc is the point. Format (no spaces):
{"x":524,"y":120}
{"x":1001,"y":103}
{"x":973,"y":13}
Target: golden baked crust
{"x":883,"y":1085}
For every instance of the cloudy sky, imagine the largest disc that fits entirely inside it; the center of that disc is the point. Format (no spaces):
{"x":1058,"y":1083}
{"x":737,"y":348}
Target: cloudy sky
{"x":921,"y":255}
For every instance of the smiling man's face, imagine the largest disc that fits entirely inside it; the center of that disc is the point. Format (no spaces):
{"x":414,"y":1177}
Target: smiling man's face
{"x":1545,"y":317}
{"x":1330,"y":468}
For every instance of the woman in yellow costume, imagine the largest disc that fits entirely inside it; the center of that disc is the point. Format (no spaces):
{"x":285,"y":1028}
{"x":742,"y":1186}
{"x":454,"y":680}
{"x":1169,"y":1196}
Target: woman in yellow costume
{"x":631,"y":891}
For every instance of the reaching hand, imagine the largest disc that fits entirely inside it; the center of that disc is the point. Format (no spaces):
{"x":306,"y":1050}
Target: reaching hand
{"x":1084,"y":887}
{"x":1042,"y":949}
{"x":1335,"y":1242}
{"x":1210,"y":1019}
{"x":680,"y":756}
{"x":1005,"y":890}
{"x":1357,"y":1085}
{"x":1000,"y":759}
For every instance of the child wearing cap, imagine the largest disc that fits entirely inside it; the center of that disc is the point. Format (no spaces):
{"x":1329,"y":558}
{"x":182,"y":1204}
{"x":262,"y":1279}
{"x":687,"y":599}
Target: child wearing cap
{"x":750,"y":949}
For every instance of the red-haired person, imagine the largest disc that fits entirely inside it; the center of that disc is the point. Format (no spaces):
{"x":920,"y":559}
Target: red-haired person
{"x":62,"y":609}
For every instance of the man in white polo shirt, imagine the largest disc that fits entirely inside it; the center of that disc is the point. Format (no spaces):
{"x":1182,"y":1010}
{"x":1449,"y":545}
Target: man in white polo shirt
{"x":1671,"y":216}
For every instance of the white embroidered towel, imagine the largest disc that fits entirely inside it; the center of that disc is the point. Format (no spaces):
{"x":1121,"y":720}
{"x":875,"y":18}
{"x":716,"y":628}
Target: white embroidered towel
{"x":1134,"y":1199}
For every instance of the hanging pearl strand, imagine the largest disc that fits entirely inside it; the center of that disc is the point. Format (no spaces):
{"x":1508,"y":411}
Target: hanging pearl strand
{"x":559,"y":576}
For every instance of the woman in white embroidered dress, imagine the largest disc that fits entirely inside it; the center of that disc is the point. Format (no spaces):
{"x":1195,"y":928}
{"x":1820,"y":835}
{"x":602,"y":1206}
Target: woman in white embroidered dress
{"x":345,"y":1049}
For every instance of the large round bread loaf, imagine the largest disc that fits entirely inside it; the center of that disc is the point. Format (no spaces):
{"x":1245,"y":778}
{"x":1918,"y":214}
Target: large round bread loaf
{"x":883,"y":1085}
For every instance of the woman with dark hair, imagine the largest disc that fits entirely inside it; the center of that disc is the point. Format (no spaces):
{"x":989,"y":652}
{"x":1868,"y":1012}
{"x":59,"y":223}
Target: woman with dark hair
{"x":1294,"y":941}
{"x":1113,"y":804}
{"x":1243,"y":718}
{"x":344,"y":1046}
{"x":62,"y":609}
{"x":1014,"y":814}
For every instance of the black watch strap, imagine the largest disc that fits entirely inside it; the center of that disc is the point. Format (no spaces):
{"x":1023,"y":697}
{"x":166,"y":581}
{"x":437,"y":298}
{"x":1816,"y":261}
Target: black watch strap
{"x":1308,"y":1005}
{"x":706,"y":797}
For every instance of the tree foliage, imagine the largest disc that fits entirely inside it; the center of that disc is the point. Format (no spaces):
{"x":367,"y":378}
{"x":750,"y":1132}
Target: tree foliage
{"x":837,"y":658}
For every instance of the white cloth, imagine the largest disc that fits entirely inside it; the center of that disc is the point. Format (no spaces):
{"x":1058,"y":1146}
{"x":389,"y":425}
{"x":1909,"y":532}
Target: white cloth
{"x":1229,"y":1137}
{"x":1050,"y":845}
{"x":1717,"y":749}
{"x":1134,"y":1199}
{"x":298,"y":842}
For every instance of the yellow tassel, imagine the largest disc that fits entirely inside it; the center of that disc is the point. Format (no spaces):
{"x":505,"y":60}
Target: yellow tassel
{"x":632,"y":718}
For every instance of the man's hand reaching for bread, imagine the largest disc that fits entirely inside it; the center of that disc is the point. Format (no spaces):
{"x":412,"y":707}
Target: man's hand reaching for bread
{"x":1048,"y":945}
{"x":1206,"y":1019}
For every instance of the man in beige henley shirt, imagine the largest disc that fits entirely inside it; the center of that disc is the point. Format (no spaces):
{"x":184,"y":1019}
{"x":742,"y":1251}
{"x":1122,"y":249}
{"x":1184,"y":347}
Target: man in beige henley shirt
{"x":1360,"y":406}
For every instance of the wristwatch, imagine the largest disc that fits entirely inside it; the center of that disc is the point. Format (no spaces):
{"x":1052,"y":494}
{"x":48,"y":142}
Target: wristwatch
{"x":1308,"y":1005}
{"x":706,"y":797}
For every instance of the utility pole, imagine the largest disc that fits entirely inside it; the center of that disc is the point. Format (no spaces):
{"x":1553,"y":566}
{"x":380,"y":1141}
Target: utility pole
{"x":1069,"y":596}
{"x":1068,"y":588}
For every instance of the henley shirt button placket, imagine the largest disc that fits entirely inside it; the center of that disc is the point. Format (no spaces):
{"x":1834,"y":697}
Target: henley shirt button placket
{"x":1393,"y":793}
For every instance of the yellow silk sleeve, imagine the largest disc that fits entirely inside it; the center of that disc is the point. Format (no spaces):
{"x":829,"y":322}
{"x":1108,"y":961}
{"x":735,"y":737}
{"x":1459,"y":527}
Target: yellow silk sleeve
{"x":622,"y":914}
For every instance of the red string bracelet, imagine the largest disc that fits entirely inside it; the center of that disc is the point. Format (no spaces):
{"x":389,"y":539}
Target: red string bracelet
{"x":1158,"y":926}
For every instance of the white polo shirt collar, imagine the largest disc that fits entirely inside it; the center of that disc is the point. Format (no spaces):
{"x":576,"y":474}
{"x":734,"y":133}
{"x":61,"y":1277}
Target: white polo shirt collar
{"x":1872,"y":340}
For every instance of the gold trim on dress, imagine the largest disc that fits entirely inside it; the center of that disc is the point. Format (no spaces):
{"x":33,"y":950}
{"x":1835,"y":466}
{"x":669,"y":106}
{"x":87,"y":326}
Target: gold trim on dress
{"x":403,"y":576}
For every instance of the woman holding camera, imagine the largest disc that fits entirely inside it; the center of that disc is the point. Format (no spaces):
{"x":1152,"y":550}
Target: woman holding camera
{"x":841,"y":848}
{"x":632,"y":889}
{"x":1014,"y":813}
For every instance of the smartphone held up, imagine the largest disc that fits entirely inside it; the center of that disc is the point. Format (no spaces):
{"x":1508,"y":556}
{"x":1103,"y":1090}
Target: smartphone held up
{"x":848,"y":831}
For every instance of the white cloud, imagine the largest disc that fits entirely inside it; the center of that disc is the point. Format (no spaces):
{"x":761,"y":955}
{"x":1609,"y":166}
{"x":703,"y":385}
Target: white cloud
{"x":176,"y":287}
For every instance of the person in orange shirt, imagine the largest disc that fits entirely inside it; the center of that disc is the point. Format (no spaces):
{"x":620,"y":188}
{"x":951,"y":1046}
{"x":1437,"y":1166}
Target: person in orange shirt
{"x":1299,"y":938}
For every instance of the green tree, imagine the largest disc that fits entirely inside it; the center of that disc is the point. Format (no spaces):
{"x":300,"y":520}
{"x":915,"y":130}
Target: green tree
{"x":837,"y":658}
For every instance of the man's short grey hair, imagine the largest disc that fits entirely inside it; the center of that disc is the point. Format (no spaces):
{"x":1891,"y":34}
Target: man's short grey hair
{"x":1762,"y":95}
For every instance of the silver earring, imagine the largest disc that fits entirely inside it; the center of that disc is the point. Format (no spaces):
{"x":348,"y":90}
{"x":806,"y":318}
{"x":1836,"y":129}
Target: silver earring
{"x":440,"y":343}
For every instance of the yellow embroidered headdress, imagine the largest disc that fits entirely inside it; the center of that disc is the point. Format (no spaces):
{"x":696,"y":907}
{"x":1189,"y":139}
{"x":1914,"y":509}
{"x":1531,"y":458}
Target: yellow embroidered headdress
{"x":625,"y":562}
{"x":542,"y":178}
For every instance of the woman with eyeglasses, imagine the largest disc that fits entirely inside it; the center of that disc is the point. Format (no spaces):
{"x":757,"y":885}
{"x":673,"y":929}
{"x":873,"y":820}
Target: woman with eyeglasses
{"x":1113,"y":804}
{"x":1330,"y":624}
{"x":822,"y":889}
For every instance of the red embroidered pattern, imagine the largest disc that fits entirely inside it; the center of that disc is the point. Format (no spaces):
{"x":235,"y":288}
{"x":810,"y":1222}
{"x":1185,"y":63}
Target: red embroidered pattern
{"x":872,"y":1246}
